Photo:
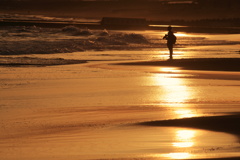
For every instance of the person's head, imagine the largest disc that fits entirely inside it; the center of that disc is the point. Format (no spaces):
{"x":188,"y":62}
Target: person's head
{"x":169,"y":28}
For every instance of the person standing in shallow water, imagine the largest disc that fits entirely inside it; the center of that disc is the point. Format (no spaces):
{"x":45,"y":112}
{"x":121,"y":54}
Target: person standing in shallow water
{"x":171,"y":40}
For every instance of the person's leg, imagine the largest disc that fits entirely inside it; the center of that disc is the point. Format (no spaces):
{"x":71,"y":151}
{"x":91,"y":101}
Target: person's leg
{"x":170,"y":47}
{"x":171,"y":53}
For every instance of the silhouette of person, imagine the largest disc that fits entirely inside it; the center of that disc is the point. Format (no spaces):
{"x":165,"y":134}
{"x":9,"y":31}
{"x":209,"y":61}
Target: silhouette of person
{"x":171,"y":40}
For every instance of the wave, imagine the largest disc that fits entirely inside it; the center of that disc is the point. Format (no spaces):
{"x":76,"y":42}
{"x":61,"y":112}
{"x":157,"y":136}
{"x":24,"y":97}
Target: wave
{"x":75,"y":31}
{"x":29,"y":61}
{"x":35,"y":40}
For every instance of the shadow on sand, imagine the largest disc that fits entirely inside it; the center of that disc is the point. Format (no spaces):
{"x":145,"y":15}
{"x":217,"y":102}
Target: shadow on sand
{"x":227,"y":123}
{"x":210,"y":64}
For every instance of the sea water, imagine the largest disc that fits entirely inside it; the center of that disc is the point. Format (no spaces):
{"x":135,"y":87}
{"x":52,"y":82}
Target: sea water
{"x":140,"y":45}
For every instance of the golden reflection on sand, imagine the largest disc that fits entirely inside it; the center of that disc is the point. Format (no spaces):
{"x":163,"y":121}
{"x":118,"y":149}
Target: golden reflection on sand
{"x":164,"y":54}
{"x":169,"y":69}
{"x":185,"y":113}
{"x":175,"y":155}
{"x":174,"y":88}
{"x":178,"y":53}
{"x":179,"y":155}
{"x":176,"y":93}
{"x":184,"y":138}
{"x":182,"y":34}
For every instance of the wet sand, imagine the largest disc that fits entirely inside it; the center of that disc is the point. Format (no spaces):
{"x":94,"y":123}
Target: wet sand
{"x":229,"y":123}
{"x":82,"y":111}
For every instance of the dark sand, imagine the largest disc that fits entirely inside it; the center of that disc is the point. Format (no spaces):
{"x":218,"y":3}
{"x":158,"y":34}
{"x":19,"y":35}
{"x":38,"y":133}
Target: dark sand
{"x":210,"y":64}
{"x":228,"y":123}
{"x":28,"y":61}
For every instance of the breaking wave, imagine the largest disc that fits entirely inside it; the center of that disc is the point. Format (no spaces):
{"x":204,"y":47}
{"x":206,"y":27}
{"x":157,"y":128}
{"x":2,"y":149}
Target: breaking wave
{"x":34,"y":61}
{"x":35,"y":40}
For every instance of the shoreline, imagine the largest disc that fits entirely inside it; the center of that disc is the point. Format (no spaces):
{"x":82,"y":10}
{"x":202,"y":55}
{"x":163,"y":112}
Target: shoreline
{"x":205,"y":64}
{"x":39,"y":62}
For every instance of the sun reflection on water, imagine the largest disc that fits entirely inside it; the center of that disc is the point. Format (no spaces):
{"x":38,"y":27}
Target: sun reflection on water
{"x":183,"y":139}
{"x":180,"y":155}
{"x":164,"y":54}
{"x":176,"y":93}
{"x":175,"y":89}
{"x":182,"y":34}
{"x":183,"y":144}
{"x":175,"y":155}
{"x":185,"y":113}
{"x":169,"y":69}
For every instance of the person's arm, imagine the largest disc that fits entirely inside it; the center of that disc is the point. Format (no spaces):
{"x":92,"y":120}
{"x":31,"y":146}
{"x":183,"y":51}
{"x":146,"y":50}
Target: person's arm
{"x":165,"y":37}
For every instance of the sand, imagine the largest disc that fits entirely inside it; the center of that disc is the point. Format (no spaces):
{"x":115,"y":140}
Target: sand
{"x":229,"y":123}
{"x":82,"y":111}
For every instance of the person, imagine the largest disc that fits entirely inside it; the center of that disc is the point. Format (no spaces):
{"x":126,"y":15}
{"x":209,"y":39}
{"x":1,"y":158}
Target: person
{"x":171,"y":40}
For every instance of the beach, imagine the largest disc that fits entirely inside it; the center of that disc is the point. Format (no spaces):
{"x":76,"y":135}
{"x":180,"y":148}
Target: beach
{"x":108,"y":102}
{"x":77,"y":111}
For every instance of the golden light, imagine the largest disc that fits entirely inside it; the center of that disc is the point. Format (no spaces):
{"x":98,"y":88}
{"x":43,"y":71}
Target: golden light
{"x":169,"y":69}
{"x":181,"y":34}
{"x":178,"y":155}
{"x":185,"y":113}
{"x":185,"y":134}
{"x":174,"y":89}
{"x":178,"y":53}
{"x":184,"y":138}
{"x":175,"y":93}
{"x":183,"y":144}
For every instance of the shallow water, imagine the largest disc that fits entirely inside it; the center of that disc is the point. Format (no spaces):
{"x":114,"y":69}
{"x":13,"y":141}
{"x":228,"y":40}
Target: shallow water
{"x":139,"y":45}
{"x":84,"y":111}
{"x":92,"y":110}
